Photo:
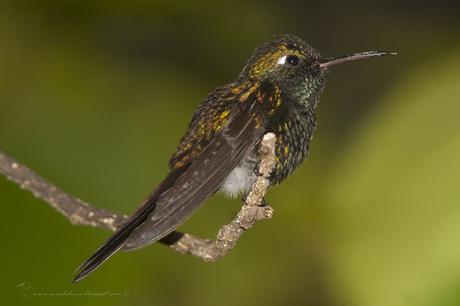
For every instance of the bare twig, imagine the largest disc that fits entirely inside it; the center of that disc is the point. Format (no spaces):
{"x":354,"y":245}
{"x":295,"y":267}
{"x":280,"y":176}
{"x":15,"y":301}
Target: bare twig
{"x":81,"y":213}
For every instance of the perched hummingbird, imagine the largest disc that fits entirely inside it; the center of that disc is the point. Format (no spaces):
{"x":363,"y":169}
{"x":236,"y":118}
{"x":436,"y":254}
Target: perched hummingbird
{"x":277,"y":91}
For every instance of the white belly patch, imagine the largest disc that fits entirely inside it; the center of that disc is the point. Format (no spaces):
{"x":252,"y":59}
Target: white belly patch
{"x":240,"y":180}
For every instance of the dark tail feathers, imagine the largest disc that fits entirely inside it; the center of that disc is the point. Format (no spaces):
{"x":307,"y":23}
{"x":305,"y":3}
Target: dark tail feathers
{"x":112,"y":245}
{"x":118,"y":239}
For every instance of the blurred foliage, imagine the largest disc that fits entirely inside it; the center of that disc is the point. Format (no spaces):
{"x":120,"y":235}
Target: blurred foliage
{"x":395,"y":193}
{"x":94,"y":95}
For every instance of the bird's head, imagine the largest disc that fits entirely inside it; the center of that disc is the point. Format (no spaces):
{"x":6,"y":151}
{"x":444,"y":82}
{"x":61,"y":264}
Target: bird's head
{"x":289,"y":63}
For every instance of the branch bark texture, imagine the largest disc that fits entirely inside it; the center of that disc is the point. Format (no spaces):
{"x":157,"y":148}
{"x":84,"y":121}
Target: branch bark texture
{"x":79,"y":212}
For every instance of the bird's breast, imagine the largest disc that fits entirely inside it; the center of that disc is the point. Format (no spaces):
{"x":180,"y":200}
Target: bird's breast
{"x":294,"y":132}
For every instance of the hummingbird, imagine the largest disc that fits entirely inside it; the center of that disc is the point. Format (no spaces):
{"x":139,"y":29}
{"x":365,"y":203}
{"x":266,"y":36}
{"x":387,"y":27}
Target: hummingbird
{"x":277,"y":91}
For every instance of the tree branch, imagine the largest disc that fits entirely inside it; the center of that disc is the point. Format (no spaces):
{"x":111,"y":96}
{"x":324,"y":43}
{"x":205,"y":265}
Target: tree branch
{"x":81,"y":213}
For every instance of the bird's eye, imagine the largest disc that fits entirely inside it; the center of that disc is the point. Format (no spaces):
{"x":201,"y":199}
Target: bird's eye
{"x":292,"y":60}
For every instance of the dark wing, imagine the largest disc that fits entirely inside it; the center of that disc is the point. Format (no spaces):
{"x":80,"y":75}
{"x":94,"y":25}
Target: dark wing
{"x":202,"y":178}
{"x":184,"y":189}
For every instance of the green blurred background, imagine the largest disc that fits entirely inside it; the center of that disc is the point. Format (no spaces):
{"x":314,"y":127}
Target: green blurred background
{"x":94,"y":95}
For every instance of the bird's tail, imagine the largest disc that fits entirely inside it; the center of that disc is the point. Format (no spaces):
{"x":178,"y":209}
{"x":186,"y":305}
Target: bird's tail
{"x":112,"y":245}
{"x":119,"y":238}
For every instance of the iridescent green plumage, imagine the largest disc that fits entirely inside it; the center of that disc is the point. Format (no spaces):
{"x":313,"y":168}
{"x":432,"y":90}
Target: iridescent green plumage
{"x":287,"y":97}
{"x":277,"y":91}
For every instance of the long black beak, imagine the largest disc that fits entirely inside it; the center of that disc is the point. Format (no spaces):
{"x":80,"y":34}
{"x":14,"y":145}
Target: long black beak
{"x":326,"y":62}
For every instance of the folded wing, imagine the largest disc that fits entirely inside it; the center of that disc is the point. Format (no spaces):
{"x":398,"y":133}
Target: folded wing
{"x":183,"y":190}
{"x":202,"y":178}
